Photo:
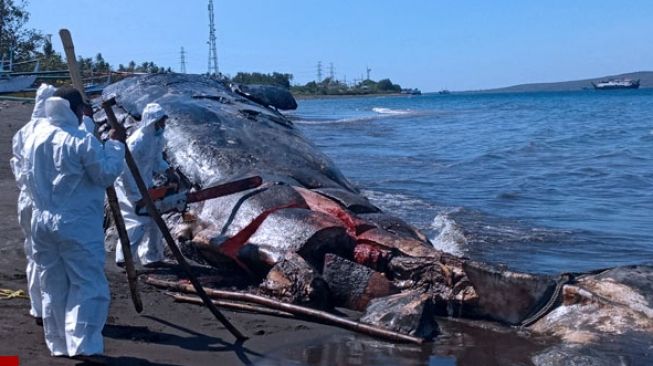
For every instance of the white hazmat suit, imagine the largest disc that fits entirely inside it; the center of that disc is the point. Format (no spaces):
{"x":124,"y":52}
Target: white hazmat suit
{"x":146,"y":145}
{"x":68,"y":174}
{"x":23,"y":139}
{"x":87,"y":125}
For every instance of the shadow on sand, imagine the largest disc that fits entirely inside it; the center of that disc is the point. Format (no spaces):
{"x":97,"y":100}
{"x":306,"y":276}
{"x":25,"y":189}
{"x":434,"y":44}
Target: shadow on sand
{"x":195,"y":341}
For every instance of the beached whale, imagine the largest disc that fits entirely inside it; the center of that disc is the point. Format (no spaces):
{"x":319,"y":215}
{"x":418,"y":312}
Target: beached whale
{"x":308,"y":236}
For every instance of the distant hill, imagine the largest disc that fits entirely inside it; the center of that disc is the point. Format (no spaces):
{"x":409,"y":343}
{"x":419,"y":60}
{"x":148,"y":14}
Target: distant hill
{"x":645,"y":77}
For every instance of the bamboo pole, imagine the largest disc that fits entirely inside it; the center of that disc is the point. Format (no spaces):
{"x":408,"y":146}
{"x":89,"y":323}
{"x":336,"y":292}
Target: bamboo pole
{"x":316,"y":315}
{"x":233,"y":305}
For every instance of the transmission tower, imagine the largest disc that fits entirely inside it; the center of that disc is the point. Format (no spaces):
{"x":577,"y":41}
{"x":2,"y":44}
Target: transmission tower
{"x":331,"y":73}
{"x":367,"y":68}
{"x":182,"y":66}
{"x":319,"y":71}
{"x":213,"y":53}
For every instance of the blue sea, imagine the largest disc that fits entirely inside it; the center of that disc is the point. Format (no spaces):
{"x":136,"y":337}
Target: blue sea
{"x":539,"y":182}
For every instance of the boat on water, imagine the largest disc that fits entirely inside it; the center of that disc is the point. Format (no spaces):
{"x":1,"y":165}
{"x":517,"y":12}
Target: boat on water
{"x":444,"y":92}
{"x":411,"y":91}
{"x":616,"y":84}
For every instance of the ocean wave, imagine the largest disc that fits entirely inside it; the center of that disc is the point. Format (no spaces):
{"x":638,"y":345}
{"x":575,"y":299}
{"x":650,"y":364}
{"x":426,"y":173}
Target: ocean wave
{"x":321,"y":121}
{"x":447,"y":235}
{"x":365,"y":116}
{"x":382,"y":110}
{"x":450,"y":237}
{"x":397,"y":203}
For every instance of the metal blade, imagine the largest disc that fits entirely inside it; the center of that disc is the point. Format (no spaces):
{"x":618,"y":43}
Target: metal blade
{"x":224,"y":189}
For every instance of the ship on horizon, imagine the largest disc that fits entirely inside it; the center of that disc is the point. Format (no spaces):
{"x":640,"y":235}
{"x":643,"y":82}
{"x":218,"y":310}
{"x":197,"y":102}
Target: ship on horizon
{"x":613,"y":84}
{"x":411,"y":91}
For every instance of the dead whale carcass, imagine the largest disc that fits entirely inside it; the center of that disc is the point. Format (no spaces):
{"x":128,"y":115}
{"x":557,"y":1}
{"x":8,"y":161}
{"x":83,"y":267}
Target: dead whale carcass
{"x":308,"y":207}
{"x":309,"y":232}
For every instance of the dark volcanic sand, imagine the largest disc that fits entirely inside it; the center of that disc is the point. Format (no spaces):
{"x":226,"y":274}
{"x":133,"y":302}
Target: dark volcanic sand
{"x":168,"y":333}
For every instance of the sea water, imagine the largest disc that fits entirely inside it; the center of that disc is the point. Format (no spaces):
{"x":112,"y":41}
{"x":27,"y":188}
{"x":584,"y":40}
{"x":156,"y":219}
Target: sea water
{"x":540,"y":182}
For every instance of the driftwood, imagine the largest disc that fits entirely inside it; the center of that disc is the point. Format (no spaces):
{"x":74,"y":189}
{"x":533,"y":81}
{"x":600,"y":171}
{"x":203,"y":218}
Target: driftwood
{"x":311,"y":314}
{"x":233,"y":305}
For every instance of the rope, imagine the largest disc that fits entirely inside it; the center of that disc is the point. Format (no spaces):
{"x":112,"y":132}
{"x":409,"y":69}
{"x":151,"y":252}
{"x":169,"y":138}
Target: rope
{"x":6,"y":293}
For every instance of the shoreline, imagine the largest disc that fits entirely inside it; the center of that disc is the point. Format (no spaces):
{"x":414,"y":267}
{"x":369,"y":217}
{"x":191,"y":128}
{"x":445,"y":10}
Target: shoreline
{"x":345,"y":96}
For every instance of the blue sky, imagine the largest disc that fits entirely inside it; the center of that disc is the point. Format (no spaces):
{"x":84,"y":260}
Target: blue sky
{"x":429,"y":44}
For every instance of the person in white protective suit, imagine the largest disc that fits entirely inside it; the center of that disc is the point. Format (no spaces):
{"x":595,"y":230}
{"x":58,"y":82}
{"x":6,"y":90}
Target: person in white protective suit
{"x":146,"y":145}
{"x":22,"y":139}
{"x":87,"y":125}
{"x":68,"y":173}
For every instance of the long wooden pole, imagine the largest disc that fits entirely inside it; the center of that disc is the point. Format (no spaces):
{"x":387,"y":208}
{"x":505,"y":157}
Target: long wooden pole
{"x":318,"y":315}
{"x":112,"y":198}
{"x":234,"y":305}
{"x":156,"y":216}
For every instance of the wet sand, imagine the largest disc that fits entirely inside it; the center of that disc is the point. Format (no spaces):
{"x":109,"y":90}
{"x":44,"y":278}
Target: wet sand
{"x":165,"y":333}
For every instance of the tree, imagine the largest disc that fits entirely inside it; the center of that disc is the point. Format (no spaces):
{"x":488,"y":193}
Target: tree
{"x":386,"y":85}
{"x":48,"y":50}
{"x":101,"y":65}
{"x":276,"y":78}
{"x":50,"y":60}
{"x":15,"y":39}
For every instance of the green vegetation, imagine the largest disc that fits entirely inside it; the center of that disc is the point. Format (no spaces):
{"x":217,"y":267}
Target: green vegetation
{"x":329,"y":86}
{"x":29,"y":44}
{"x":278,"y":79}
{"x":14,"y":37}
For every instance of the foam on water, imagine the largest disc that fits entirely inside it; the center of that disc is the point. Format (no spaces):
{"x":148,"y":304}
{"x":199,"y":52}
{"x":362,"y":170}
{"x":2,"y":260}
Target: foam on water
{"x":447,"y":235}
{"x":376,"y":113}
{"x":450,"y":238}
{"x":335,"y":121}
{"x":382,"y":110}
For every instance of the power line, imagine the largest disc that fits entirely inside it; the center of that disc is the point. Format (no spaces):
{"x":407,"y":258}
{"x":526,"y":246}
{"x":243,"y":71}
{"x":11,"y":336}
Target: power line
{"x":367,"y":68}
{"x":182,"y":67}
{"x":331,"y":73}
{"x":319,"y":71}
{"x":213,"y":53}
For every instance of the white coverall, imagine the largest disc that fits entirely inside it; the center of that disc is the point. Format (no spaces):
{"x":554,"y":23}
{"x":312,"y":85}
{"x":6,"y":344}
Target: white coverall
{"x":68,"y":173}
{"x":23,"y":138}
{"x":146,"y":146}
{"x":87,"y":125}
